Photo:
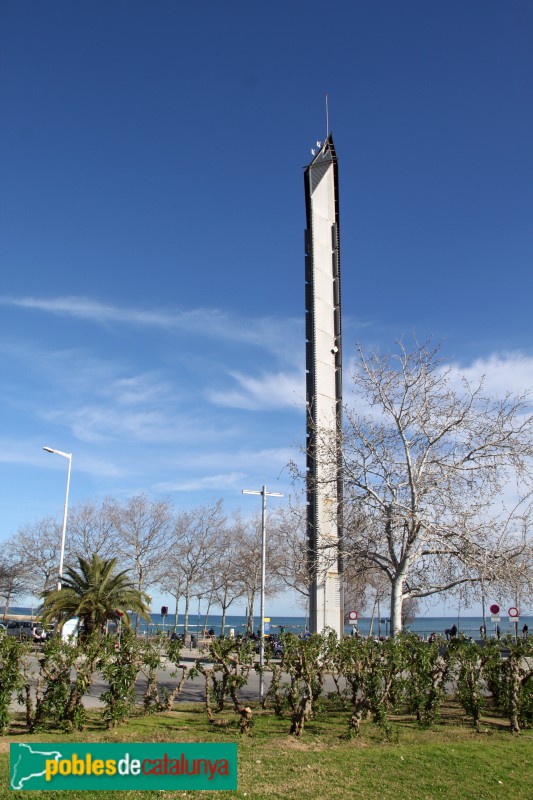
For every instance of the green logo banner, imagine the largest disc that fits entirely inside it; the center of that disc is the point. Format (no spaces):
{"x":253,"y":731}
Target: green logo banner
{"x":87,"y":766}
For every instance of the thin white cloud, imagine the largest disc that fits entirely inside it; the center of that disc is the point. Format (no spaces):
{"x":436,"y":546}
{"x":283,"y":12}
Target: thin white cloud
{"x":501,"y":373}
{"x":101,"y":400}
{"x":25,"y":452}
{"x":29,"y":452}
{"x":270,"y":391}
{"x":101,"y":423}
{"x":217,"y":483}
{"x":269,"y":333}
{"x":135,"y":419}
{"x":242,"y":459}
{"x":72,"y":370}
{"x":97,"y":424}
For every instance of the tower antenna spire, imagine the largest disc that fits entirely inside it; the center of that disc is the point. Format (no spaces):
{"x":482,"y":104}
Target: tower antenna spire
{"x":327,"y":117}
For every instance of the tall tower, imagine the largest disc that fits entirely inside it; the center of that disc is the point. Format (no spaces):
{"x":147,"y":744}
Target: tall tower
{"x":323,"y":390}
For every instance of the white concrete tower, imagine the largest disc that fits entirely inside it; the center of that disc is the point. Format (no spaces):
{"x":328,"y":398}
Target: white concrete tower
{"x":324,"y":390}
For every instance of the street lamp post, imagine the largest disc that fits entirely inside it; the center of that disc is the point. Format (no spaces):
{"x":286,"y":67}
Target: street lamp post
{"x":264,"y":494}
{"x":64,"y":529}
{"x":198,"y":620}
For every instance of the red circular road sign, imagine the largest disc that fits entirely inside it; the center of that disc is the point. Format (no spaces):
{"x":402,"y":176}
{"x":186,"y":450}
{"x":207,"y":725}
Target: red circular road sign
{"x":513,"y":612}
{"x":495,"y":608}
{"x":352,"y":615}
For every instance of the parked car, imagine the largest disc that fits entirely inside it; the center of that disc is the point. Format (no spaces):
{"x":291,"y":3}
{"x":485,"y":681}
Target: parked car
{"x":24,"y":629}
{"x":272,"y":646}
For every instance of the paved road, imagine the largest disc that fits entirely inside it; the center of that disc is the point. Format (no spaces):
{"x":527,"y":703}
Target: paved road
{"x":193,"y":689}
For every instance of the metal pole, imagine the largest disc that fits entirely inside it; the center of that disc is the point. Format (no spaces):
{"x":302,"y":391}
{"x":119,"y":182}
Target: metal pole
{"x":516,"y":621}
{"x":64,"y":528}
{"x":262,"y":603}
{"x":484,"y":636}
{"x":264,"y":494}
{"x":198,"y":621}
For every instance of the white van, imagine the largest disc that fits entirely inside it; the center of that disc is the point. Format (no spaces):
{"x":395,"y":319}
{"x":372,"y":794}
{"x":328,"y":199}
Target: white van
{"x":69,"y":631}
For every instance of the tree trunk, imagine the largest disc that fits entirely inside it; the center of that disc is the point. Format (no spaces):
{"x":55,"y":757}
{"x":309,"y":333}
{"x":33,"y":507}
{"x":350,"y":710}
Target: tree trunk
{"x":250,"y":620}
{"x":206,"y":618}
{"x":372,"y":619}
{"x":396,"y":604}
{"x":6,"y":606}
{"x":186,"y":614}
{"x":139,"y":587}
{"x":224,"y":609}
{"x":177,"y":596}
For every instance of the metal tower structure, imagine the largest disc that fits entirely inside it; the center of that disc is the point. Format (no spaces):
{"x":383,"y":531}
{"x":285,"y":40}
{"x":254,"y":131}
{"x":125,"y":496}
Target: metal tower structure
{"x":323,"y":390}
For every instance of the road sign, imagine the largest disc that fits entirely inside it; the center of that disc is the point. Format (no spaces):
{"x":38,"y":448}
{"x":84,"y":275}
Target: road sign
{"x":352,"y":617}
{"x":495,"y":609}
{"x":513,"y":612}
{"x":164,"y":611}
{"x":495,"y":619}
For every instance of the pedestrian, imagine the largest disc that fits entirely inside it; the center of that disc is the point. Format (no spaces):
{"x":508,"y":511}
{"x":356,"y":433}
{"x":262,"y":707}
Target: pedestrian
{"x":525,"y":630}
{"x":451,"y":633}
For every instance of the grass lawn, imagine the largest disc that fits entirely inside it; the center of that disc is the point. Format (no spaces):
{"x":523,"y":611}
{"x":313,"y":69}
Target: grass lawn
{"x":449,"y":761}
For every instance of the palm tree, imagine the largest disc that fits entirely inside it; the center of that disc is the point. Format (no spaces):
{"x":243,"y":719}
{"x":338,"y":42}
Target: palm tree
{"x":95,"y":593}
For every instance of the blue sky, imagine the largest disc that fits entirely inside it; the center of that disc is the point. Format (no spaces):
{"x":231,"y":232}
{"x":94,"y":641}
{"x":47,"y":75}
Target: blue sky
{"x":152,"y":216}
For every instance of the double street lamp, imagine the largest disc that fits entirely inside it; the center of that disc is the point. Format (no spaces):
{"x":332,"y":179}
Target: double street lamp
{"x":64,"y":529}
{"x":264,"y":494}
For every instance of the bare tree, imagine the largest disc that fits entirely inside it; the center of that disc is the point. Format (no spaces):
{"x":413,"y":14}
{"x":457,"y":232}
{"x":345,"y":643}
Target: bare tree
{"x":91,"y":530}
{"x":143,"y":528}
{"x":289,"y":560}
{"x":248,"y":562}
{"x":410,"y":607}
{"x":38,"y":546}
{"x":191,"y":545}
{"x":364,"y":587}
{"x":14,"y":580}
{"x":171,"y":580}
{"x":428,"y":466}
{"x":514,"y":578}
{"x":373,"y":590}
{"x":221,"y":583}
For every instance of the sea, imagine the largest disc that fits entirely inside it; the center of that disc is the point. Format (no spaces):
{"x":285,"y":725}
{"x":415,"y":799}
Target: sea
{"x":422,"y":626}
